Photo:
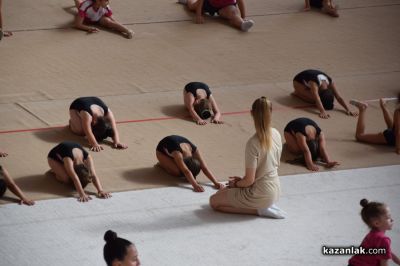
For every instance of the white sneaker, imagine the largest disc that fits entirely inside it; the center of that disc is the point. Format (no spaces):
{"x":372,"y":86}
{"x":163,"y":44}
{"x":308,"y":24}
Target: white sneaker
{"x":246,"y":25}
{"x":272,"y":212}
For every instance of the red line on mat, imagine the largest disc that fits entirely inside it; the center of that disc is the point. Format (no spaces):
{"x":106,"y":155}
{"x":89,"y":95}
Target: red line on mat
{"x":134,"y":121}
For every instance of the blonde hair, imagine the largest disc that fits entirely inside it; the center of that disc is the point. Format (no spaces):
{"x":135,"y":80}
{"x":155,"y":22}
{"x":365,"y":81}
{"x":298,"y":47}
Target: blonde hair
{"x":261,"y":112}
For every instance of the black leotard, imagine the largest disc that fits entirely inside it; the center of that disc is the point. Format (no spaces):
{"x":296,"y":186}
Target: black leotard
{"x":310,"y":75}
{"x":172,"y":143}
{"x":64,"y":149}
{"x":84,"y":103}
{"x":299,"y":125}
{"x":316,"y":3}
{"x":3,"y":185}
{"x":193,"y":86}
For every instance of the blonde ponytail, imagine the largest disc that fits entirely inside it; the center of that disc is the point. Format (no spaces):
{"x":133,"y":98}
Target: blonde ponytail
{"x":261,"y":112}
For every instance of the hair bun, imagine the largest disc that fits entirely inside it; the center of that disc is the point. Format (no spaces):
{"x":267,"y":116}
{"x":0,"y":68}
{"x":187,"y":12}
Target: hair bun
{"x":110,"y":236}
{"x":364,"y":202}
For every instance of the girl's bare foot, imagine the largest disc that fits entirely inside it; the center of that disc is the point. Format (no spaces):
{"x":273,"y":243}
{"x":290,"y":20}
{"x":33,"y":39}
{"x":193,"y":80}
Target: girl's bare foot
{"x":360,"y":105}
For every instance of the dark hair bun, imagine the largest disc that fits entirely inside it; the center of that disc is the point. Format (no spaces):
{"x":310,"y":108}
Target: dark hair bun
{"x":110,"y":236}
{"x":364,"y":202}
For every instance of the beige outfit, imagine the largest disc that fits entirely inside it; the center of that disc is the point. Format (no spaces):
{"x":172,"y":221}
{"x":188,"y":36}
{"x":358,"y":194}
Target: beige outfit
{"x":266,"y":187}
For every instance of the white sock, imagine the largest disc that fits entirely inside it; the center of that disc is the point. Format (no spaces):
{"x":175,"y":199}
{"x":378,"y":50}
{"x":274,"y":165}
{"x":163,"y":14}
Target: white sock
{"x":246,"y":25}
{"x":273,"y":212}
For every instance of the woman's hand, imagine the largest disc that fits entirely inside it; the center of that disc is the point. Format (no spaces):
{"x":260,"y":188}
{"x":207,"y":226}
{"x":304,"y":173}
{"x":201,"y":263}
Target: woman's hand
{"x":233,"y":180}
{"x":104,"y":195}
{"x":84,"y":198}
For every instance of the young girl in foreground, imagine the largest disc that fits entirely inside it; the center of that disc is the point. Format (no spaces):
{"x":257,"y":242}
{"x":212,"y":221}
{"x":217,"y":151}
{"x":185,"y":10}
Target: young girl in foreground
{"x":119,"y":251}
{"x":97,"y":11}
{"x":377,"y":216}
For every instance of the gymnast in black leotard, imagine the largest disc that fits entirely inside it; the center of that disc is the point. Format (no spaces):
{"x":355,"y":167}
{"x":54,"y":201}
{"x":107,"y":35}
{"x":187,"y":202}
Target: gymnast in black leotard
{"x":201,"y":103}
{"x":71,"y":164}
{"x":180,"y":157}
{"x":90,"y":116}
{"x":316,"y":87}
{"x":326,"y":6}
{"x":304,"y":136}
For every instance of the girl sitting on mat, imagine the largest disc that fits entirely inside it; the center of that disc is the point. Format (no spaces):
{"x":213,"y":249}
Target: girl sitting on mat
{"x":390,"y":136}
{"x":259,"y":189}
{"x":119,"y":251}
{"x":201,"y":103}
{"x":232,"y":10}
{"x":180,"y":157}
{"x":91,"y":117}
{"x":98,"y":11}
{"x":325,"y":6}
{"x":316,"y":87}
{"x":304,"y":136}
{"x":7,"y":182}
{"x":72,"y":165}
{"x":377,"y":216}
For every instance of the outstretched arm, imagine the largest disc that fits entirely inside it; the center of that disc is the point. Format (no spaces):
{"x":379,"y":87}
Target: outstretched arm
{"x":178,"y":158}
{"x":69,"y":168}
{"x":206,"y":171}
{"x":324,"y":153}
{"x":341,"y":101}
{"x":301,"y":141}
{"x":12,"y":186}
{"x":217,"y":113}
{"x":96,"y":180}
{"x":314,"y":91}
{"x":117,"y":144}
{"x":87,"y":128}
{"x":189,"y":101}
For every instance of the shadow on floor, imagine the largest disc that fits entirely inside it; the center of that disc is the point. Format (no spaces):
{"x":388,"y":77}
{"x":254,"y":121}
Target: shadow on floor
{"x":59,"y":135}
{"x":176,"y":110}
{"x":44,"y":184}
{"x":154,"y":176}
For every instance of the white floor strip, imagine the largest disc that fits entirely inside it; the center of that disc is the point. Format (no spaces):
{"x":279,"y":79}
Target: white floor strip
{"x":175,"y":226}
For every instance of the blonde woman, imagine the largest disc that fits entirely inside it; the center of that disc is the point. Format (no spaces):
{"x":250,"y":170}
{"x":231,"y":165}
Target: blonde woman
{"x":259,"y":189}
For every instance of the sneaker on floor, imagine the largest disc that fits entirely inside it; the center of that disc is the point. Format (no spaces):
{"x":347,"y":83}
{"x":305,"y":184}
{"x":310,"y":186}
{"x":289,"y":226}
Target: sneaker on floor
{"x":272,"y":212}
{"x":246,"y":25}
{"x":358,"y":104}
{"x":183,"y":2}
